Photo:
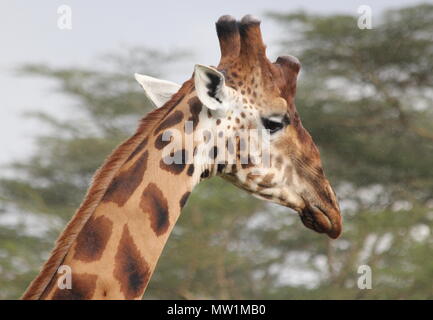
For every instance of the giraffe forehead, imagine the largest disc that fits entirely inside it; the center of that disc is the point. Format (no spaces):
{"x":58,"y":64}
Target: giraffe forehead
{"x":255,"y":91}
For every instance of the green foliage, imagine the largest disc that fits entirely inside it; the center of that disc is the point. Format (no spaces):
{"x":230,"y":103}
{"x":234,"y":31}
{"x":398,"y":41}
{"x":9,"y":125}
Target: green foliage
{"x":366,"y":98}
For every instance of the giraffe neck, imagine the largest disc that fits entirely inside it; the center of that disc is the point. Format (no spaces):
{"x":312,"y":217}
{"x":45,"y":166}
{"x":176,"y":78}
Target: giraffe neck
{"x":115,"y":254}
{"x":116,"y":251}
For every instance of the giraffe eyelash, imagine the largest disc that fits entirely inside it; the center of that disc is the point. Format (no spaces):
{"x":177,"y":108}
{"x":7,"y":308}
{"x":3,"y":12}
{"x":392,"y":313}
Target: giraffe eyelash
{"x":275,"y":123}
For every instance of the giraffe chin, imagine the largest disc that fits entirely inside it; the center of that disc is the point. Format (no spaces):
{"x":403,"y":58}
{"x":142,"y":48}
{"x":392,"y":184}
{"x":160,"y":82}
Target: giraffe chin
{"x":313,"y":217}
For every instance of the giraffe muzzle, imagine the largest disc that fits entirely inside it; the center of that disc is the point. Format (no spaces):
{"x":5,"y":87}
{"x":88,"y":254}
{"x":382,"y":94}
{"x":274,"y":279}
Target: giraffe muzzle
{"x":322,"y":221}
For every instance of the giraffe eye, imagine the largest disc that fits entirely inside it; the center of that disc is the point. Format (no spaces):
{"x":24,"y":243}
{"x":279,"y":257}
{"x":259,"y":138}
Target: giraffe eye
{"x":274,"y":124}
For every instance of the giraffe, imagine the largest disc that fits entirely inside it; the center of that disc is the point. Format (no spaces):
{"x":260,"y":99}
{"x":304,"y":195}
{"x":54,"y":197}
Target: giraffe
{"x":113,"y":242}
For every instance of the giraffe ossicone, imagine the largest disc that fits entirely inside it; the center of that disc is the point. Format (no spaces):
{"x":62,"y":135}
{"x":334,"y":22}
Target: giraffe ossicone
{"x":203,"y":129}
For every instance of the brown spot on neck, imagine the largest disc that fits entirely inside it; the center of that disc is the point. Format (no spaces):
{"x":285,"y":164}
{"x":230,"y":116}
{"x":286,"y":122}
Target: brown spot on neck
{"x":171,"y":120}
{"x":190,"y":170}
{"x":125,"y":183}
{"x":163,"y":140}
{"x":130,"y":269}
{"x":184,"y":199}
{"x":175,"y":163}
{"x":138,"y":149}
{"x":93,"y":238}
{"x":155,"y":204}
{"x":195,"y":107}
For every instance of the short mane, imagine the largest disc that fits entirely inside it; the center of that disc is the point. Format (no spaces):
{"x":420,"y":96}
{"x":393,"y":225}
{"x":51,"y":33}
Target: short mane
{"x":100,"y":182}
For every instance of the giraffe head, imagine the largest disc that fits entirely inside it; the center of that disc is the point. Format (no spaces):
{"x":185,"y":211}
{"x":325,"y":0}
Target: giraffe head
{"x":246,"y":92}
{"x":250,"y":105}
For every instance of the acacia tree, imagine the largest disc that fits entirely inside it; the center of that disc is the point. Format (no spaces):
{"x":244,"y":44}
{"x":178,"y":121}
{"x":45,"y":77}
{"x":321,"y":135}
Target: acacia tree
{"x":366,"y":98}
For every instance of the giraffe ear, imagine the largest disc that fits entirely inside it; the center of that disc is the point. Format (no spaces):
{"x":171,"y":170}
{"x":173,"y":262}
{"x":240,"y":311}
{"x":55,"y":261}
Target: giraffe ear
{"x":157,"y":91}
{"x":210,"y":87}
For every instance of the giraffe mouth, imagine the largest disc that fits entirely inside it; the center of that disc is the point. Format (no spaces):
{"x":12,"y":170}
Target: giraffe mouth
{"x":319,"y":220}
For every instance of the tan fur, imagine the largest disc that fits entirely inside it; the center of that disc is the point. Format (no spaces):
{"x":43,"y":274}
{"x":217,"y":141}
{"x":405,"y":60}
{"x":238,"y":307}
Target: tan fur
{"x":98,"y":187}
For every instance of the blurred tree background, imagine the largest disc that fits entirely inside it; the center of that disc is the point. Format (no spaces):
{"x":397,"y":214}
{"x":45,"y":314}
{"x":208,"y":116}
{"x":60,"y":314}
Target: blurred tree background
{"x":365,"y":96}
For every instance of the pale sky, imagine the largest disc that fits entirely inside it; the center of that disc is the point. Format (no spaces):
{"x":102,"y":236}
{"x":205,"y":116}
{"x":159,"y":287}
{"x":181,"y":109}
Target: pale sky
{"x":29,"y":34}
